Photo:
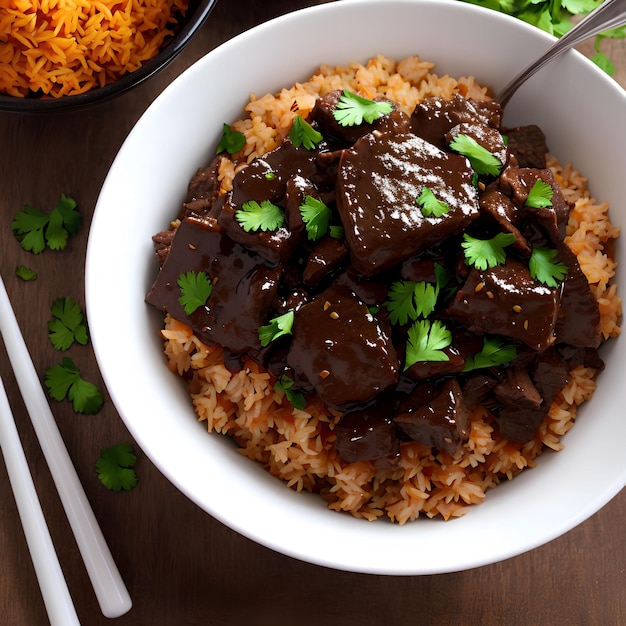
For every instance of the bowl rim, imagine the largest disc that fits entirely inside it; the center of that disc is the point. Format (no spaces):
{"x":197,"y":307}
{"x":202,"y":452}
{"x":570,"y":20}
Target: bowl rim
{"x":193,"y":22}
{"x":508,"y":545}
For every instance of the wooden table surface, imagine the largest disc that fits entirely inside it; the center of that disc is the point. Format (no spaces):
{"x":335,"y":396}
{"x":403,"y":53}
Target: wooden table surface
{"x":180,"y":565}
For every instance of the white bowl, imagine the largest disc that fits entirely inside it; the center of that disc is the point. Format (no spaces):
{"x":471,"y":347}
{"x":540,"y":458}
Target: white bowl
{"x":581,"y":111}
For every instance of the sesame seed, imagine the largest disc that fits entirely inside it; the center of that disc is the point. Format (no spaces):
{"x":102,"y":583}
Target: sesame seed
{"x":479,"y":287}
{"x":490,"y":295}
{"x":324,"y":374}
{"x":525,"y":324}
{"x":517,"y":308}
{"x":191,"y":246}
{"x":326,"y":305}
{"x":334,"y":315}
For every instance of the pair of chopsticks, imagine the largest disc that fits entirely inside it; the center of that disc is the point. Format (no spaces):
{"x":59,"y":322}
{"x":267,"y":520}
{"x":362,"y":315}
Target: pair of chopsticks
{"x":110,"y":590}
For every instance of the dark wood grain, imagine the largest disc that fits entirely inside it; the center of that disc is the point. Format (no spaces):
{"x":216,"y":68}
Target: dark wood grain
{"x":181,"y":566}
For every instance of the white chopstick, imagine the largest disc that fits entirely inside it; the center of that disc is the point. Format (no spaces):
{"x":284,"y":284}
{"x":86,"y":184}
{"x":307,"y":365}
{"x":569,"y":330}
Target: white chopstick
{"x":108,"y":585}
{"x":56,"y":595}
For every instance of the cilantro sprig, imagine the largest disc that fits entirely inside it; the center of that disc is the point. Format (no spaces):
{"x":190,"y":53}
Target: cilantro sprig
{"x":68,"y":324}
{"x":540,"y":195}
{"x":494,"y":352}
{"x":426,"y":342}
{"x":353,"y":110}
{"x":264,"y":216}
{"x":36,"y":230}
{"x":408,"y":300}
{"x":481,"y":160}
{"x":277,"y":327}
{"x":64,"y":381}
{"x":430,"y":205}
{"x":296,"y":398}
{"x":316,"y":217}
{"x":545,"y":267}
{"x":195,"y":289}
{"x":231,"y":141}
{"x":115,"y":467}
{"x":303,"y":134}
{"x":484,"y":253}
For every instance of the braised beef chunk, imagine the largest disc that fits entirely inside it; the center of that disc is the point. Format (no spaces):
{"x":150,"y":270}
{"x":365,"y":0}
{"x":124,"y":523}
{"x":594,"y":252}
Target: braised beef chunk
{"x":550,"y":373}
{"x":435,"y":116}
{"x":435,"y":416}
{"x":323,"y":116}
{"x":379,"y":180}
{"x":578,"y":322}
{"x":243,"y":290}
{"x":367,"y":434}
{"x":202,"y":191}
{"x":522,"y":407}
{"x":343,"y":350}
{"x":528,"y":144}
{"x":505,"y":300}
{"x":427,"y":369}
{"x":327,"y":256}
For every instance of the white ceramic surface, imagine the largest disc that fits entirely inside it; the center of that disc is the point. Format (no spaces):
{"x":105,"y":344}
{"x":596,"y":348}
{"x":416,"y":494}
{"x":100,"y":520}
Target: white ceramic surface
{"x":582,"y":112}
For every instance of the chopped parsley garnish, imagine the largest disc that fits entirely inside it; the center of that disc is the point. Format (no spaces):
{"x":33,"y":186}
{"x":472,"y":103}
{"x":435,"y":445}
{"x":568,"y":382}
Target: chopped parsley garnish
{"x":25,"y":273}
{"x":493,"y":352}
{"x":426,"y":342}
{"x":316,"y":217}
{"x":265,"y":216}
{"x":277,"y":327}
{"x":296,"y":398}
{"x":64,"y":381}
{"x":115,"y":467}
{"x":353,"y":110}
{"x":231,"y":141}
{"x":430,"y":206}
{"x":67,"y":325}
{"x":545,"y":267}
{"x":195,"y":289}
{"x":484,"y":253}
{"x":337,"y":232}
{"x":303,"y":134}
{"x":35,"y":229}
{"x":540,"y":195}
{"x":482,"y":161}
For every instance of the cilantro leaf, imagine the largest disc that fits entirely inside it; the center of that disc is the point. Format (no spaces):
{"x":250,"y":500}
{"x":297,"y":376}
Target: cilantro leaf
{"x":25,"y":273}
{"x":482,"y":161}
{"x":231,"y":141}
{"x":426,"y":342}
{"x":303,"y":134}
{"x":430,"y":206}
{"x":64,"y":381}
{"x":285,"y":384}
{"x":115,"y":467}
{"x":425,"y":296}
{"x":35,"y":229}
{"x":540,"y":195}
{"x":409,"y":300}
{"x":484,"y":253}
{"x":353,"y":110}
{"x":545,"y":267}
{"x":67,"y":324}
{"x":316,"y":216}
{"x":277,"y":327}
{"x":337,"y":232}
{"x":195,"y":289}
{"x":493,"y":352}
{"x":265,"y":216}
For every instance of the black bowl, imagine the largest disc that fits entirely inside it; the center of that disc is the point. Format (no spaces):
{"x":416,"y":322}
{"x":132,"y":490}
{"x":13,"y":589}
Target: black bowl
{"x":197,"y":14}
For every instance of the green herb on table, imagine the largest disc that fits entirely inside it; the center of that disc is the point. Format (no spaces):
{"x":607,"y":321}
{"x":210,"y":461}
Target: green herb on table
{"x":430,"y":205}
{"x":265,"y":216}
{"x":484,"y":253}
{"x":25,"y":273}
{"x":353,"y":110}
{"x":115,"y":467}
{"x":303,"y":134}
{"x":540,"y":195}
{"x":316,"y":217}
{"x":426,"y":342}
{"x":494,"y":352}
{"x":67,"y":325}
{"x":481,"y":160}
{"x":296,"y":398}
{"x":231,"y":141}
{"x":36,"y":230}
{"x":64,"y":381}
{"x":195,"y":289}
{"x":545,"y":267}
{"x":277,"y":327}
